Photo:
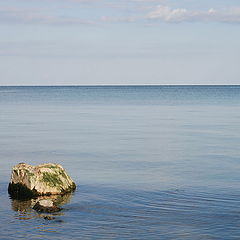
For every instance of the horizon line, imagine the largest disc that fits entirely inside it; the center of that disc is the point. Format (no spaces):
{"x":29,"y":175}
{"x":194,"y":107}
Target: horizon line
{"x":118,"y":85}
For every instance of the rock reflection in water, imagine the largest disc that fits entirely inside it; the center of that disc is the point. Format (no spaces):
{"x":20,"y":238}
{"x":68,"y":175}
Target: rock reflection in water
{"x":26,"y":211}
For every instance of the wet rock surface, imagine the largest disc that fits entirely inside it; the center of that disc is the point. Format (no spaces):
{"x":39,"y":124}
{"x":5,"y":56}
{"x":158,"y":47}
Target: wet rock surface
{"x":29,"y":181}
{"x":46,"y":206}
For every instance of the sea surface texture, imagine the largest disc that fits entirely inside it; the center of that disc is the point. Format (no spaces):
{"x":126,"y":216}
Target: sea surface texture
{"x":150,"y":162}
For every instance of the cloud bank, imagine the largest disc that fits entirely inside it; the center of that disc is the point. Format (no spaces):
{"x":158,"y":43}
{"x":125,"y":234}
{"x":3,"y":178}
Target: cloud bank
{"x":167,"y":14}
{"x":104,"y":11}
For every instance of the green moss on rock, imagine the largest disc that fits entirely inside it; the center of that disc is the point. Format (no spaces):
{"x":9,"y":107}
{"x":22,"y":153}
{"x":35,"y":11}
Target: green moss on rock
{"x":52,"y":179}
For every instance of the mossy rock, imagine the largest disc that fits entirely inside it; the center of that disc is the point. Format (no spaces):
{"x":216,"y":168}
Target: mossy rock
{"x":31,"y":181}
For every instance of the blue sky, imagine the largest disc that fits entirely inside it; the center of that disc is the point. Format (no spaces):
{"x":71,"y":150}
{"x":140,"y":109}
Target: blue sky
{"x":55,"y":42}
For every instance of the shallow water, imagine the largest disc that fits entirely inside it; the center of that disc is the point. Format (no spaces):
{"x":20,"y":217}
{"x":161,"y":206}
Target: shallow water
{"x":149,"y":162}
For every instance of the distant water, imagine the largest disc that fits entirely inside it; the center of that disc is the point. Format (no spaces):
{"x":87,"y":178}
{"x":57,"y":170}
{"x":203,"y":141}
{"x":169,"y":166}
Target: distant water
{"x":150,"y":162}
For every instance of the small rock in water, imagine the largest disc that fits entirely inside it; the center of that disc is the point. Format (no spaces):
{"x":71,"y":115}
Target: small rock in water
{"x":46,"y":206}
{"x":49,"y":218}
{"x":31,"y":181}
{"x":46,"y":203}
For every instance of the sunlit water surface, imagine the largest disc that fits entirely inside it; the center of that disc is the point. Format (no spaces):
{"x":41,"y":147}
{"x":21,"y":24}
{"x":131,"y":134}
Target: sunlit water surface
{"x":150,"y":162}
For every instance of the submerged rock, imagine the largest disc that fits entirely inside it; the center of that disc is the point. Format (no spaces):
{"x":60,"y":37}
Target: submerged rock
{"x":46,"y":206}
{"x":49,"y":217}
{"x":26,"y":205}
{"x":31,"y":181}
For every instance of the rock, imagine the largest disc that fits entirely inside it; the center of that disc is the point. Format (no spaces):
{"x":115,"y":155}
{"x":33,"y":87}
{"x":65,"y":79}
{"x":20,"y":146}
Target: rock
{"x":49,"y":218}
{"x":46,"y":206}
{"x":26,"y":205}
{"x":31,"y":181}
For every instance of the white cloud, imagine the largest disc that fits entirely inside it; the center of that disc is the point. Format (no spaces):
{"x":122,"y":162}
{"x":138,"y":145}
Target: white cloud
{"x":167,"y":14}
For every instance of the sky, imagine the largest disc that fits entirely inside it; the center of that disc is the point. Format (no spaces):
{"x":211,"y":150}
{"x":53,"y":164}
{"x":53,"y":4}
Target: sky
{"x":101,"y":42}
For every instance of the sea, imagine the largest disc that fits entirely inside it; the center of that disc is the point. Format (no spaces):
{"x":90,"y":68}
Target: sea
{"x":149,"y":162}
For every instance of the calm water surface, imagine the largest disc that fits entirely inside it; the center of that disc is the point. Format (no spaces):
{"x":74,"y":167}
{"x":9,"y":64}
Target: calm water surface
{"x":150,"y":162}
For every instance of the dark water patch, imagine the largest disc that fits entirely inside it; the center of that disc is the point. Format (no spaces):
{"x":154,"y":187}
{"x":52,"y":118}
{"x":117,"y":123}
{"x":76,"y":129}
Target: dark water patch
{"x":133,"y":95}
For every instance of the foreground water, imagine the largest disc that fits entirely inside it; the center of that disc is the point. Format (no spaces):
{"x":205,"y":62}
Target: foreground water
{"x":150,"y":162}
